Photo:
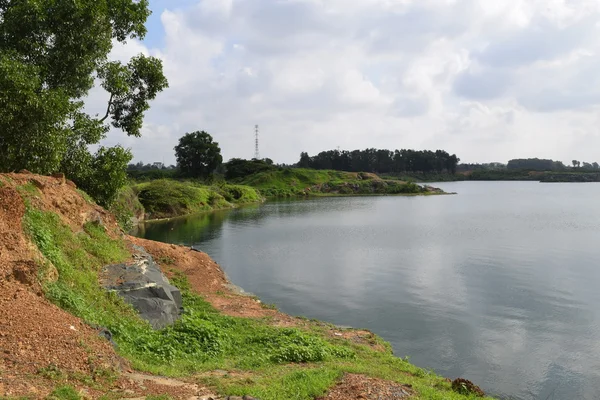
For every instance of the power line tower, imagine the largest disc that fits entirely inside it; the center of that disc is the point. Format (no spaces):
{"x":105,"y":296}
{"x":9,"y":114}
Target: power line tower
{"x":256,"y":152}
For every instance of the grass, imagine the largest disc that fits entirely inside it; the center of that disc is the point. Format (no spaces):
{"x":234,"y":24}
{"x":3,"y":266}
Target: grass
{"x":64,"y":393}
{"x":270,"y":363}
{"x":169,"y":198}
{"x":291,"y":182}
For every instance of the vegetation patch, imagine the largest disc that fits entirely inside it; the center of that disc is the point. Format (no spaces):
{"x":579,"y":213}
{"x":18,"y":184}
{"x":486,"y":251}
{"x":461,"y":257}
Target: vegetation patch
{"x":127,"y":208}
{"x":64,"y":393}
{"x":291,"y":182}
{"x":165,"y":199}
{"x":168,"y":198}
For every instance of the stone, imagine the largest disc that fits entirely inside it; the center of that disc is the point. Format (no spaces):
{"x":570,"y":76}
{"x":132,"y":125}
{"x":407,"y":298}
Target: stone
{"x":143,"y":285}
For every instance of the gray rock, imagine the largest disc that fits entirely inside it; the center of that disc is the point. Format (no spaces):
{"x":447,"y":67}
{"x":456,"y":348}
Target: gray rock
{"x":142,"y":284}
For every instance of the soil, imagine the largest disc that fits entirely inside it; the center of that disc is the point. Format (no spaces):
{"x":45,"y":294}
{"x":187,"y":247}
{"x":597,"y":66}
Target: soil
{"x":35,"y":335}
{"x":362,"y":387}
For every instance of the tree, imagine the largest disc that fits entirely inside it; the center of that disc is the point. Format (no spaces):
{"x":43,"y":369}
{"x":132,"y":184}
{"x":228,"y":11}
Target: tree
{"x":575,"y":163}
{"x":595,"y":165}
{"x":197,"y":155}
{"x":305,"y":160}
{"x":238,"y":168}
{"x":51,"y":52}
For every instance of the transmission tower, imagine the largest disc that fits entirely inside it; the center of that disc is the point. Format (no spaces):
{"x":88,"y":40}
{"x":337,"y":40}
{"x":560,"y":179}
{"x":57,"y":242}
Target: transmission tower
{"x":256,"y":152}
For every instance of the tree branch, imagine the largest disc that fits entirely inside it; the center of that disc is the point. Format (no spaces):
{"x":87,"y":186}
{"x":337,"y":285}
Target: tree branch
{"x":108,"y":108}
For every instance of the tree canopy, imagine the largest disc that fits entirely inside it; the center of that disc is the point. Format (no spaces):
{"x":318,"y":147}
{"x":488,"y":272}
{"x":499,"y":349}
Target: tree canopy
{"x":197,"y":154}
{"x":51,"y":54}
{"x":239,"y":168}
{"x":535,"y":164}
{"x":382,"y":161}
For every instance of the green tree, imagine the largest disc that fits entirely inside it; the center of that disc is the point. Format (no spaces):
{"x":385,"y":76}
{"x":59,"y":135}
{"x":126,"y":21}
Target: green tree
{"x":50,"y":54}
{"x":101,"y":175}
{"x":197,"y":155}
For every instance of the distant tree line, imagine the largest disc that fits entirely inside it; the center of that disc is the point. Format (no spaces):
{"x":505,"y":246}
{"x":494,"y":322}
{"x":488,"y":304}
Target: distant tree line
{"x":537,"y":164}
{"x":382,"y":161}
{"x":493,"y":166}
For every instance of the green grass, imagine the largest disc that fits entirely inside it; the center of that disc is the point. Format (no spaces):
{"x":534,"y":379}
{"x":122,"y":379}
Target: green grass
{"x":271,"y":363}
{"x":28,"y":190}
{"x":64,"y":393}
{"x":169,"y":198}
{"x":291,"y":182}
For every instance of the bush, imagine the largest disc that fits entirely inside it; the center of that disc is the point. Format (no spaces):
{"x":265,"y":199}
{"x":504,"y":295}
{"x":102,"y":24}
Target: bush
{"x":238,"y":168}
{"x":101,"y":176}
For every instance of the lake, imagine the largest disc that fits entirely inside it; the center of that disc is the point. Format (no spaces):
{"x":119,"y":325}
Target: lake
{"x":499,"y":284}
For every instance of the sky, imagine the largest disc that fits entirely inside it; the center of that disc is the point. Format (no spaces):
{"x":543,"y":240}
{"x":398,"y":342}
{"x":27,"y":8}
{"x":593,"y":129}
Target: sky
{"x":486,"y":80}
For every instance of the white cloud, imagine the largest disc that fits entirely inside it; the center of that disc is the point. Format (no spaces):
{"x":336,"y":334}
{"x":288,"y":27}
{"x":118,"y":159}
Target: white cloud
{"x":487,"y":80}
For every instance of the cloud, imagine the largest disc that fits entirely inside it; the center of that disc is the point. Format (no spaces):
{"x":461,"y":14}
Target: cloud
{"x":481,"y":79}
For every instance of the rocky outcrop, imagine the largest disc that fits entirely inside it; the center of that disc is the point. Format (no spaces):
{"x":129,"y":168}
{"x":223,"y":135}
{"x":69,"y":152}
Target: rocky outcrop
{"x":142,"y":284}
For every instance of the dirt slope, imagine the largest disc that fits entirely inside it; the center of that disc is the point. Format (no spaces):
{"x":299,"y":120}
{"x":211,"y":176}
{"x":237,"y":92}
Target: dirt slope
{"x":35,"y":335}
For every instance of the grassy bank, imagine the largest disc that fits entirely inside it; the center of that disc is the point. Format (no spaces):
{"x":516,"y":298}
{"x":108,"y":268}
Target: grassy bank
{"x":292,"y":182}
{"x":168,"y":198}
{"x":269,"y":362}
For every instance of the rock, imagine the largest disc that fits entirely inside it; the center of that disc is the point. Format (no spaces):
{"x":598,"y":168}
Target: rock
{"x":24,"y":171}
{"x":466,"y":387}
{"x":246,"y":397}
{"x":143,"y":285}
{"x":235,"y":398}
{"x":72,"y":184}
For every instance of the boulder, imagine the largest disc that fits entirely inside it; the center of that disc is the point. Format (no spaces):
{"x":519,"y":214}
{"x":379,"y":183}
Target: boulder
{"x":142,"y":284}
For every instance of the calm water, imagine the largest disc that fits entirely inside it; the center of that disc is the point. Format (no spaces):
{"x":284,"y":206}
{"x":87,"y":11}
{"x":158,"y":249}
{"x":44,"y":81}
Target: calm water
{"x":499,"y":284}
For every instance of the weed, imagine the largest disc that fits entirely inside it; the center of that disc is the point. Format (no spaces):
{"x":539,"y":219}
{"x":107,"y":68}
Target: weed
{"x":52,"y":372}
{"x":268,"y":306}
{"x":165,"y":260}
{"x":28,"y":190}
{"x":159,"y":397}
{"x":64,"y":393}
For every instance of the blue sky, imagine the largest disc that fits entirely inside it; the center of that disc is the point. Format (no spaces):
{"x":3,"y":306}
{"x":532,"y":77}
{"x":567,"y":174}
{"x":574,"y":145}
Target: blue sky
{"x":488,"y":81}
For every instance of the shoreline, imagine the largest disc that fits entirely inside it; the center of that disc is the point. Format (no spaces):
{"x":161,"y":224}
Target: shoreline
{"x":234,"y":301}
{"x":312,"y":196}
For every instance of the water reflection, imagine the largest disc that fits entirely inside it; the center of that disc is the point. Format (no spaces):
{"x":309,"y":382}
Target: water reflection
{"x":497,"y":284}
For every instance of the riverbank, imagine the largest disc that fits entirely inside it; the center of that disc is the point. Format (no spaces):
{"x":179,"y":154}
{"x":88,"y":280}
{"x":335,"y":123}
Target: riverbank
{"x":167,"y":198}
{"x":223,"y":344}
